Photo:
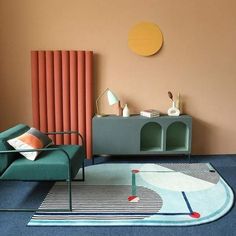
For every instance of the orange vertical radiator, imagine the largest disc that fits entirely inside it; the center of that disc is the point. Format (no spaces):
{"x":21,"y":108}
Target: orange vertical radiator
{"x":62,"y":94}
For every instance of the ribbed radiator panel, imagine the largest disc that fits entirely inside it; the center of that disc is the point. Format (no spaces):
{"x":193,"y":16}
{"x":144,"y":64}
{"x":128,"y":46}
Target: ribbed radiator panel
{"x":50,"y":93}
{"x":58,"y":95}
{"x":81,"y":91}
{"x":62,"y":94}
{"x":88,"y":100}
{"x":73,"y":96}
{"x":42,"y":92}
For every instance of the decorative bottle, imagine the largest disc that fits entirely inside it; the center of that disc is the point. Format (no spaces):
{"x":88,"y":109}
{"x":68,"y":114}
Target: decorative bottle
{"x":126,"y":111}
{"x":173,"y":111}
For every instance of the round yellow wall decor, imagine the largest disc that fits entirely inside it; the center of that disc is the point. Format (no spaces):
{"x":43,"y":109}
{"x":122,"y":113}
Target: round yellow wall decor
{"x":145,"y":39}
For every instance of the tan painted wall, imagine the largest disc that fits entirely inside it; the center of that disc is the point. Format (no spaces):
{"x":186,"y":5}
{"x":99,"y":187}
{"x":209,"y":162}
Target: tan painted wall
{"x":198,"y":58}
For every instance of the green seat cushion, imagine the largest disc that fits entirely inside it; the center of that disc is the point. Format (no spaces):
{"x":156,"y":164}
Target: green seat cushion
{"x":7,"y":158}
{"x":50,"y":165}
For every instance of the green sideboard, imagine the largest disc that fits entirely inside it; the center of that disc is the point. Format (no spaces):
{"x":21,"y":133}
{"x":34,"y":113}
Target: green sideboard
{"x":117,"y":135}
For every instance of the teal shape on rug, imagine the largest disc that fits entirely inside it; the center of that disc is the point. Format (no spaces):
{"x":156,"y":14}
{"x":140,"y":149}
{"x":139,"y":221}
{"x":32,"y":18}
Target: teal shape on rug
{"x":171,"y":194}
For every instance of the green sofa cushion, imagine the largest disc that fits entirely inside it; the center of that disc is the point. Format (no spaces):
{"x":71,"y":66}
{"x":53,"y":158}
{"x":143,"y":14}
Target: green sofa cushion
{"x":8,"y":158}
{"x":50,"y":165}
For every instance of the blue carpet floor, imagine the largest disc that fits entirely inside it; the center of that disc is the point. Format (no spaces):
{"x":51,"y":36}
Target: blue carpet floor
{"x":31,"y":194}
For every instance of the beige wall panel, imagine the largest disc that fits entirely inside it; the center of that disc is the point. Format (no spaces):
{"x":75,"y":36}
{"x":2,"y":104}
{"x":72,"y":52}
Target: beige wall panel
{"x":197,"y":59}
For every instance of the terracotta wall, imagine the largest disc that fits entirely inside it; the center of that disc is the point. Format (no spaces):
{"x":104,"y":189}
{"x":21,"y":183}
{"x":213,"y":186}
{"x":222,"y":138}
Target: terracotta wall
{"x":198,"y":57}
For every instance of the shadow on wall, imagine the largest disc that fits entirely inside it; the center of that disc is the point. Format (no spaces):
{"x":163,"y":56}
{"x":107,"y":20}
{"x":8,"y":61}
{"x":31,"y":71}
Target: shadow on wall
{"x":96,"y":77}
{"x":201,"y":129}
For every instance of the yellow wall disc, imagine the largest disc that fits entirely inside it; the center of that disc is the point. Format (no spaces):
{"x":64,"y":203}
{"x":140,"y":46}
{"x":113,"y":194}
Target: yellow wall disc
{"x":145,"y":39}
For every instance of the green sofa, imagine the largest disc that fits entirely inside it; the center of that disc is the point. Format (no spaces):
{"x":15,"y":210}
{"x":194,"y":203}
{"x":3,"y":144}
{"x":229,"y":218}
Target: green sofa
{"x":55,"y":163}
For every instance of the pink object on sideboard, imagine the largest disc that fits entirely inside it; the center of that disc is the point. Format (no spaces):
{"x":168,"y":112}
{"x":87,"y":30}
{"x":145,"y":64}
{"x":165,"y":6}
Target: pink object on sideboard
{"x":62,"y":99}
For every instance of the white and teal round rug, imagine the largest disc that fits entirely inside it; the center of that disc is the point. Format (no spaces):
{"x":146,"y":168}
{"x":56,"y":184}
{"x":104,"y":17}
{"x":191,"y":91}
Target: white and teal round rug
{"x":140,"y":194}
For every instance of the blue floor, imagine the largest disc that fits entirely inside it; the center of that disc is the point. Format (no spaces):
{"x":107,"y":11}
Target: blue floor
{"x":30,"y":194}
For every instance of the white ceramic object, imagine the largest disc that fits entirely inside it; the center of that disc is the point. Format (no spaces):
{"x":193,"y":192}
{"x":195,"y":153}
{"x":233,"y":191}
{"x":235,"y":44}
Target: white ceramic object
{"x":173,"y":111}
{"x":126,"y":111}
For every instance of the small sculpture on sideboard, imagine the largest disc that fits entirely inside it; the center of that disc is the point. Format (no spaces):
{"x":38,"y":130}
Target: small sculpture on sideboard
{"x":126,"y":111}
{"x":175,"y":109}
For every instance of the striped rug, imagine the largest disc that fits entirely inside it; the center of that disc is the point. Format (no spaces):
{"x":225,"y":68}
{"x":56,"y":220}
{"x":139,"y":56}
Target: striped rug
{"x":139,"y":194}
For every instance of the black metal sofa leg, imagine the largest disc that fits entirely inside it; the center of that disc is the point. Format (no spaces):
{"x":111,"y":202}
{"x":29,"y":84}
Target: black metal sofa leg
{"x":43,"y":210}
{"x":56,"y":210}
{"x":70,"y":195}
